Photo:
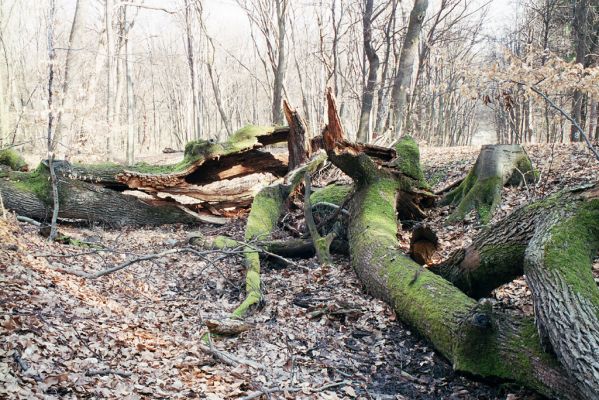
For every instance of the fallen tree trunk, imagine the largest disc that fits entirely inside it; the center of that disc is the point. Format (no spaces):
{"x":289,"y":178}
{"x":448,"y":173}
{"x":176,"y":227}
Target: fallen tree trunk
{"x":30,"y":195}
{"x":475,"y":338}
{"x":496,"y":166}
{"x":219,"y":178}
{"x":496,"y":256}
{"x":558,"y":270}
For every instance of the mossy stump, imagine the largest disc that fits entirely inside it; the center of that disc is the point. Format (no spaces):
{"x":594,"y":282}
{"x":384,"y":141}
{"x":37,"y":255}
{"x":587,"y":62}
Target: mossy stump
{"x":496,"y":166}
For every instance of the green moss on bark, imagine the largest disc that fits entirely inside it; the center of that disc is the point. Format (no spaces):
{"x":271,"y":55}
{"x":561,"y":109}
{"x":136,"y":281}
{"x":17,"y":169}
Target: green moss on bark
{"x":12,"y":159}
{"x":334,"y":194}
{"x":37,"y":182}
{"x":408,"y":160}
{"x":484,"y":197}
{"x":571,"y":248}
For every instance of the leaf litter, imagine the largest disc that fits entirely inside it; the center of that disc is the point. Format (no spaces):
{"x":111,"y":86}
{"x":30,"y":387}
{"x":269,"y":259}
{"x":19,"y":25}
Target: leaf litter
{"x":137,"y":333}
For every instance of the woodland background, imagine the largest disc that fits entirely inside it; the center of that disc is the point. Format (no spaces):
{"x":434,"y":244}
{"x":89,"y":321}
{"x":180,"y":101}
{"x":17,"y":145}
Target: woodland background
{"x":155,"y":74}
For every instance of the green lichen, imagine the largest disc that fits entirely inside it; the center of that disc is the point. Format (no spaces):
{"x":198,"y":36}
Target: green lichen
{"x":334,"y":194}
{"x":12,"y":159}
{"x":571,"y":247}
{"x":408,"y":160}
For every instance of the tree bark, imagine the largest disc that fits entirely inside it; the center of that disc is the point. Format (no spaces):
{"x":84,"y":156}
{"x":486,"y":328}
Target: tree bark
{"x":475,"y":338}
{"x":496,"y":166}
{"x":213,"y":176}
{"x":496,"y":256}
{"x":409,"y":51}
{"x":373,"y":67}
{"x":29,"y":195}
{"x":558,"y":267}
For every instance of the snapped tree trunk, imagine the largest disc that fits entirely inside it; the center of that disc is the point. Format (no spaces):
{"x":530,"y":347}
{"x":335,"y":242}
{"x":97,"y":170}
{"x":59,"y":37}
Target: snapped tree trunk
{"x":474,"y":337}
{"x":212,"y":180}
{"x":496,"y":166}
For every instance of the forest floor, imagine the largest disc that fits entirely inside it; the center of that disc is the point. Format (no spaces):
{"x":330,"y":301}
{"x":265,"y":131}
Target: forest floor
{"x":137,"y":333}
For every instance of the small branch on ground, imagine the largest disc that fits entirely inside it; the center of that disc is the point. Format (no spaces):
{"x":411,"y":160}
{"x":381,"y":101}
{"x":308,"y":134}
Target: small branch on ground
{"x":108,"y":371}
{"x":321,"y":244}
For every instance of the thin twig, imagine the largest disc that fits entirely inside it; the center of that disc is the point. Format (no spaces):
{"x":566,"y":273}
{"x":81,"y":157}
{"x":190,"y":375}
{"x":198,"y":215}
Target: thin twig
{"x":2,"y":206}
{"x":322,"y":388}
{"x":108,"y":371}
{"x":28,"y":220}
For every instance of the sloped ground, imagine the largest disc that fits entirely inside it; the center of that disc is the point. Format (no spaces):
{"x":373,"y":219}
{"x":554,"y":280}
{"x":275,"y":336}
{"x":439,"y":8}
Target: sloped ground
{"x":318,"y":334}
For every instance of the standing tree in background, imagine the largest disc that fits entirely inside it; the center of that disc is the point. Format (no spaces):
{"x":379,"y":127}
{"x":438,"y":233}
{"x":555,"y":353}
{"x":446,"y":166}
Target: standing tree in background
{"x":50,"y":138}
{"x":407,"y":57}
{"x":195,"y":112}
{"x":279,"y":70}
{"x":373,"y":67}
{"x":580,"y":22}
{"x":260,"y":14}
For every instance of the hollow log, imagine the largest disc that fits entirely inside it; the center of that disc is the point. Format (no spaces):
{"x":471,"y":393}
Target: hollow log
{"x":474,"y":337}
{"x":496,"y":166}
{"x":30,"y":195}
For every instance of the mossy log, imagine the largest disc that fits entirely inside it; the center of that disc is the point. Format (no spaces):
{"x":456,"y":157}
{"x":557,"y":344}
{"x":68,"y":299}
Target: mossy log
{"x":496,"y":256}
{"x":497,"y":165}
{"x":262,"y":220}
{"x":216,"y":177}
{"x":474,"y":337}
{"x":558,"y":267}
{"x":12,"y":160}
{"x":30,"y":194}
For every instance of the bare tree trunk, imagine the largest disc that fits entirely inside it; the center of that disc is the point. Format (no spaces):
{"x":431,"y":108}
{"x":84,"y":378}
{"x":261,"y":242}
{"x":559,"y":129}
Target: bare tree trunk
{"x":213,"y":77}
{"x":192,"y":72}
{"x":110,"y":74}
{"x":382,"y":98}
{"x":73,"y":64}
{"x":407,"y":57}
{"x":50,"y":139}
{"x":580,"y":22}
{"x":130,"y":99}
{"x":277,"y":113}
{"x":363,"y":133}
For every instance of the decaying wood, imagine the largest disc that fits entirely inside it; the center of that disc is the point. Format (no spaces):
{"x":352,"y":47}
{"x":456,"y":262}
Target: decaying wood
{"x":296,"y":142}
{"x":474,"y":337}
{"x":423,"y":244}
{"x":227,"y":327}
{"x":213,"y":180}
